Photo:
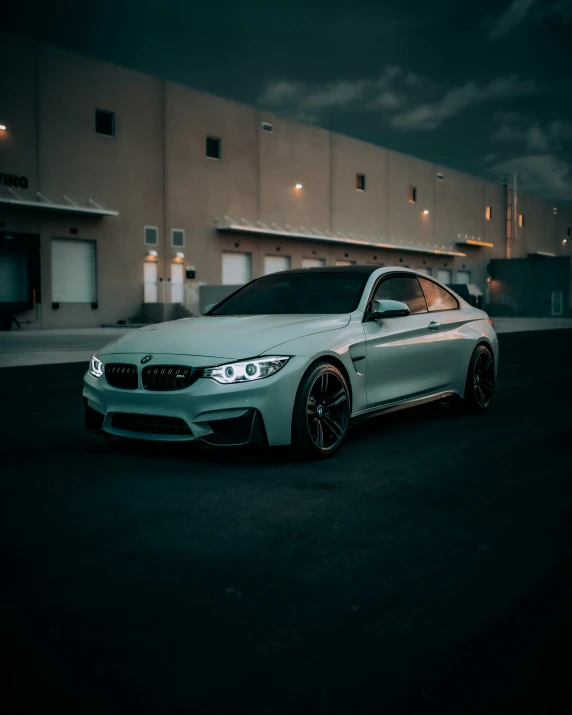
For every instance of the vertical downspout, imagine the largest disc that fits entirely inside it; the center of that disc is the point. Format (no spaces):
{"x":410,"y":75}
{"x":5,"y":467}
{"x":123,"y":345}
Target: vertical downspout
{"x":164,"y":167}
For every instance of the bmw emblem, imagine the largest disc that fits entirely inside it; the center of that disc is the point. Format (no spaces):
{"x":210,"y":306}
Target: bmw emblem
{"x":146,"y":359}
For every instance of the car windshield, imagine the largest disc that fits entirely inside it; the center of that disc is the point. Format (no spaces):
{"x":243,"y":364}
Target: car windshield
{"x":297,"y":293}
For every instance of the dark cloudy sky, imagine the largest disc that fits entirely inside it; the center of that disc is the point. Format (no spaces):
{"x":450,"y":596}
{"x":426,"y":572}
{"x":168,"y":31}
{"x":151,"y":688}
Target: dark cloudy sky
{"x":484,"y":87}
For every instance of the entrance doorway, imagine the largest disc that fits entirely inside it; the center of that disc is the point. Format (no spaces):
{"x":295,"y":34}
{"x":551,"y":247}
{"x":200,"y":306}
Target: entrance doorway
{"x":150,"y":291}
{"x":556,"y":303}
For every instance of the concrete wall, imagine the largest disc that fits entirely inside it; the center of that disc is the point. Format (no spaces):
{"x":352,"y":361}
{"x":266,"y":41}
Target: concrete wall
{"x":155,"y":172}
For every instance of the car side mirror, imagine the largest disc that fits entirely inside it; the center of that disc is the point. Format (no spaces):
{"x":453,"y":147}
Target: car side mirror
{"x":388,"y":309}
{"x":209,"y":307}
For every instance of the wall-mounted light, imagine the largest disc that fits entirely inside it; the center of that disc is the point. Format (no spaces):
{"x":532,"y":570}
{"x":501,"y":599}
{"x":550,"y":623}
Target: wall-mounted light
{"x":152,"y":256}
{"x":426,"y":212}
{"x":298,"y":186}
{"x":564,"y":241}
{"x":179,"y":257}
{"x":3,"y":127}
{"x":489,"y":279}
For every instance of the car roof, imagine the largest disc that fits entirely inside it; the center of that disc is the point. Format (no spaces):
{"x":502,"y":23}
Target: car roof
{"x":364,"y":270}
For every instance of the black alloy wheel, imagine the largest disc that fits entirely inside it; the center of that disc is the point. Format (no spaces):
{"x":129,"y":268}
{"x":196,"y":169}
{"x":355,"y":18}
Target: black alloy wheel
{"x":480,"y":385}
{"x":321,"y":412}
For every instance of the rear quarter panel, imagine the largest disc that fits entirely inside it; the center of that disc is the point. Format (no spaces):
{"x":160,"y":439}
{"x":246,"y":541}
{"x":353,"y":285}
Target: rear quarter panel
{"x":468,"y":328}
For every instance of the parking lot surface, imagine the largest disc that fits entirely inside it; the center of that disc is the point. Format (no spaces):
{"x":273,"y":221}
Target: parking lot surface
{"x":425,"y":569}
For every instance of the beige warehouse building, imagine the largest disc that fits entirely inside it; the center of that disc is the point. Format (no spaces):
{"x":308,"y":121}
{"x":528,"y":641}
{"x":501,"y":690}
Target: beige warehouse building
{"x":127,"y":197}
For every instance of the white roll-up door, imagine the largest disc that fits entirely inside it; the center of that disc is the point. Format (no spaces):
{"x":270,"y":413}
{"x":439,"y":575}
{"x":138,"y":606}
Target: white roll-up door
{"x":273,"y":264}
{"x":339,"y":262}
{"x":426,"y":271}
{"x":236,"y":268}
{"x":444,"y":275}
{"x":313,"y":262}
{"x":73,"y":271}
{"x":464,"y":277}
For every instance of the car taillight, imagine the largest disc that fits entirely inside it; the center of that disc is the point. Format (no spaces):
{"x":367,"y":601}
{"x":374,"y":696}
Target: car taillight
{"x":492,"y":322}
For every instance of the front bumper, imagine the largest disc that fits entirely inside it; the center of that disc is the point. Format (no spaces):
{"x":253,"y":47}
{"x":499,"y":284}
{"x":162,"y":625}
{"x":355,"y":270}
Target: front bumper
{"x":259,"y":411}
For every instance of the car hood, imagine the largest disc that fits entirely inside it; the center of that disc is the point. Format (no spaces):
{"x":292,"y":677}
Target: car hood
{"x":231,"y":337}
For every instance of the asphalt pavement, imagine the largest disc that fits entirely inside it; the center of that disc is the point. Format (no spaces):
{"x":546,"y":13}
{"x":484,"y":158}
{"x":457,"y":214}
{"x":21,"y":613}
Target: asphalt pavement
{"x":424,"y":570}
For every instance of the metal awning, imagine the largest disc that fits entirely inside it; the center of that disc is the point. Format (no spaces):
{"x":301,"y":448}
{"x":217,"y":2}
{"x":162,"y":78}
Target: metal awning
{"x":541,"y":253}
{"x":474,"y":242}
{"x":228,"y":225}
{"x":45,"y":204}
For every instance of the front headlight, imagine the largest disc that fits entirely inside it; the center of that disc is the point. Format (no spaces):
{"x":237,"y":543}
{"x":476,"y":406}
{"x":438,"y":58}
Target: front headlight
{"x":96,"y":367}
{"x":245,"y":371}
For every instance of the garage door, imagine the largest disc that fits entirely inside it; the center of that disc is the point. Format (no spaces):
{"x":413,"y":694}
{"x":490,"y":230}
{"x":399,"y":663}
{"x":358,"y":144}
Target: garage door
{"x":345,"y":263}
{"x":13,"y":277}
{"x":426,"y":271}
{"x":313,"y":262}
{"x":236,"y":268}
{"x":272,"y":264}
{"x":464,"y":277}
{"x":73,"y":271}
{"x":444,"y":275}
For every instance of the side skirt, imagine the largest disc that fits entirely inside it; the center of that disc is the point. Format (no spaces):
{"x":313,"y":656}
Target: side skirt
{"x":401,"y":405}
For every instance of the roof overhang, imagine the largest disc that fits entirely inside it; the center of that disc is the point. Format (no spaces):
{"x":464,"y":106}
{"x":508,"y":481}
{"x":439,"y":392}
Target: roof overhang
{"x":545,"y":254}
{"x":473,"y":242}
{"x":229,"y":226}
{"x":44,"y":204}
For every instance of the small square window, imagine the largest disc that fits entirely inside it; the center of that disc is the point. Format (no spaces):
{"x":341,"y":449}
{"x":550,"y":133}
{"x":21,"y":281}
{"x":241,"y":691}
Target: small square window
{"x":520,"y":220}
{"x":151,"y":235}
{"x":489,"y":213}
{"x":213,"y":147}
{"x":266,"y":126}
{"x":178,"y":237}
{"x":105,"y":122}
{"x":360,"y":182}
{"x":412,"y":194}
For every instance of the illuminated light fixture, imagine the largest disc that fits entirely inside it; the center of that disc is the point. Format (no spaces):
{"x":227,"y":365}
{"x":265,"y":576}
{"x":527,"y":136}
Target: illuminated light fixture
{"x":472,"y":242}
{"x":180,"y":255}
{"x":426,"y":212}
{"x":152,"y":253}
{"x":3,"y":127}
{"x":564,"y":241}
{"x":152,"y":257}
{"x":489,"y":279}
{"x":298,"y":186}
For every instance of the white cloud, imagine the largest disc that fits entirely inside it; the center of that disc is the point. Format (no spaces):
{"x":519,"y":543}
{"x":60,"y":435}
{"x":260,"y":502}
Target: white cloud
{"x":510,"y":18}
{"x":537,"y":140}
{"x":543,"y":174}
{"x":387,"y":100}
{"x":534,"y":137}
{"x":305,"y":101}
{"x":560,"y":129}
{"x":429,"y":116}
{"x":520,"y":11}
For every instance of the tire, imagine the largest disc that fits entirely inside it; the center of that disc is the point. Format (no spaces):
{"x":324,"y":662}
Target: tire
{"x":321,"y":415}
{"x":480,"y":384}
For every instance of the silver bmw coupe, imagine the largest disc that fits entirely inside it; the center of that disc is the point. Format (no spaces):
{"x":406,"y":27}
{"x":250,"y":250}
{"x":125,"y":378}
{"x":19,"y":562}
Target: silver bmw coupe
{"x":294,"y":358}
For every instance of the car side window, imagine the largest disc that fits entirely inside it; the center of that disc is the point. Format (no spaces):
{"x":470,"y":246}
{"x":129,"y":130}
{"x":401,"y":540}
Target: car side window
{"x":437,"y":298}
{"x":405,"y":289}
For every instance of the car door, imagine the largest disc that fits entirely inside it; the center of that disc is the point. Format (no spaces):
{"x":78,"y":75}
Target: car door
{"x":446,"y":314}
{"x":405,"y":355}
